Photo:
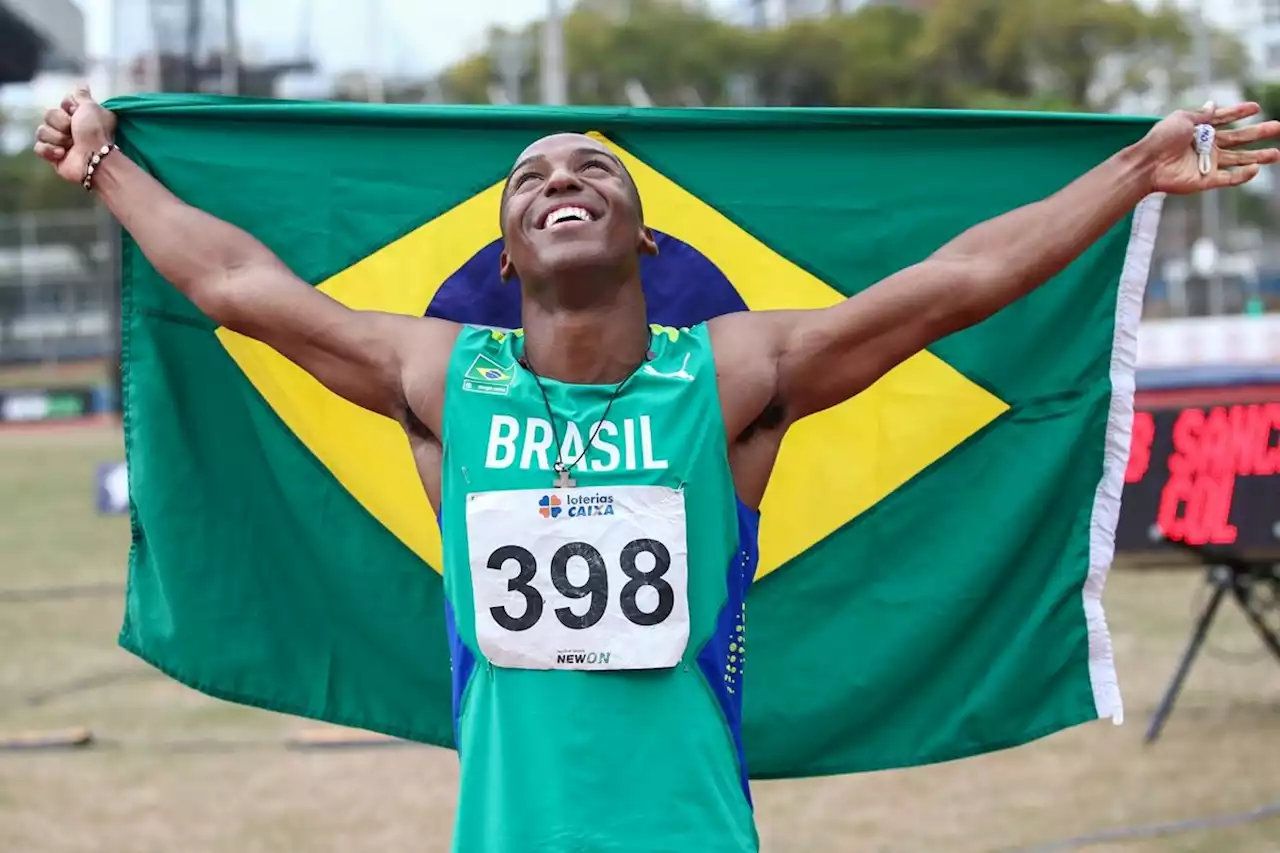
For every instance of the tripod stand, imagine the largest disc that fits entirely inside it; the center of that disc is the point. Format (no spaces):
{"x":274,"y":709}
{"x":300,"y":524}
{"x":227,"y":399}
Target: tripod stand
{"x":1254,"y":584}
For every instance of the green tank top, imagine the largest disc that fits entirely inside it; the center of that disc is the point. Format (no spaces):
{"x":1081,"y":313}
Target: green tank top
{"x":596,"y":629}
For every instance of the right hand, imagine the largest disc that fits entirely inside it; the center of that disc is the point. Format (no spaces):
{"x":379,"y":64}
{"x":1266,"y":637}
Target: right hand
{"x":72,"y":132}
{"x":1170,"y":155}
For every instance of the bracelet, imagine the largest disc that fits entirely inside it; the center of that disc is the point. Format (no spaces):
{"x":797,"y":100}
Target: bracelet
{"x":94,"y":161}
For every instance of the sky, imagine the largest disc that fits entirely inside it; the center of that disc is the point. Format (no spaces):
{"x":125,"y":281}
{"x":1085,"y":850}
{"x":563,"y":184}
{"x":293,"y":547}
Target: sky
{"x":393,"y":37}
{"x":389,"y":36}
{"x":397,"y":35}
{"x":416,"y":35}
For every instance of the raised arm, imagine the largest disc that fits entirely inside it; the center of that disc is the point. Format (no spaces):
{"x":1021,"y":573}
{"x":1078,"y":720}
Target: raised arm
{"x":235,"y":280}
{"x":823,"y":357}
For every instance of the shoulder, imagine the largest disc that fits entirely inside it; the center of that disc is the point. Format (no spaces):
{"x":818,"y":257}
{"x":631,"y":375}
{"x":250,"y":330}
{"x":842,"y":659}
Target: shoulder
{"x":465,"y":341}
{"x":430,"y":338}
{"x":745,"y":345}
{"x":748,"y":333}
{"x":429,"y":344}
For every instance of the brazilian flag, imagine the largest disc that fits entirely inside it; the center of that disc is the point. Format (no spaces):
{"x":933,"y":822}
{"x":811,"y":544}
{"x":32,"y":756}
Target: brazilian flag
{"x":932,"y":552}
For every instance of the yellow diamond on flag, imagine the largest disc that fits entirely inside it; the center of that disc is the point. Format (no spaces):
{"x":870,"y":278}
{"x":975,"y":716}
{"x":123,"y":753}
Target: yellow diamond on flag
{"x":832,"y":466}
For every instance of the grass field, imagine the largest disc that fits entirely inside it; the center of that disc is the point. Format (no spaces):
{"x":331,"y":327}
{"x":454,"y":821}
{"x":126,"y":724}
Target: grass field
{"x":176,"y":771}
{"x":69,"y":374}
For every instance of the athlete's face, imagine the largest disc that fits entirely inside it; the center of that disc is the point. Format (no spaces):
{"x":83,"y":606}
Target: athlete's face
{"x":570,"y":207}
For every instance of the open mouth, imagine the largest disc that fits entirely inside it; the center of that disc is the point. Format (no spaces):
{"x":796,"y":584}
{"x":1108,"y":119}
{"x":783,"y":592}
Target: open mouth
{"x":562,"y":216}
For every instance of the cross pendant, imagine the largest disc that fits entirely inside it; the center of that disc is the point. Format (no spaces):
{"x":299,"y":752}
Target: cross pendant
{"x":563,"y":480}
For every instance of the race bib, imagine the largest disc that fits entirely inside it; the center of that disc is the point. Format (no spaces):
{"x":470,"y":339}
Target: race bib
{"x":580,"y":578}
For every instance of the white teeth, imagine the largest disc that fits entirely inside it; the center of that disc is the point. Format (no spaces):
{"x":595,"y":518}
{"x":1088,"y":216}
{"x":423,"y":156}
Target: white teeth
{"x":560,"y":214}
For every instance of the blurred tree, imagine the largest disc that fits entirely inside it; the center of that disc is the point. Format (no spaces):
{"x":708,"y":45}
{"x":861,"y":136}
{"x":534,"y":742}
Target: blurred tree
{"x":680,"y":55}
{"x":857,"y":59}
{"x":1267,"y":95}
{"x":1013,"y":54}
{"x":28,"y":184}
{"x":1072,"y":54}
{"x":799,"y":65}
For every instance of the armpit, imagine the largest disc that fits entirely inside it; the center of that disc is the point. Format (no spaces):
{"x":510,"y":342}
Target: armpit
{"x":771,"y":418}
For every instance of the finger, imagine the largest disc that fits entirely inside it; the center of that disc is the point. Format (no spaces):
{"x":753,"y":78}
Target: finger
{"x":69,"y":104}
{"x":44,"y":133}
{"x":1246,"y":135}
{"x":1261,"y":156}
{"x":82,"y":94}
{"x":1233,"y":178}
{"x":52,"y":153}
{"x":59,"y":120}
{"x":1234,"y":113}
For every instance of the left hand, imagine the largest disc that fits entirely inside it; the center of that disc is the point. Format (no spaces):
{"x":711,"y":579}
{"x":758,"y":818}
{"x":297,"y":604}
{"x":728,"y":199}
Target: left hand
{"x":1175,"y":166}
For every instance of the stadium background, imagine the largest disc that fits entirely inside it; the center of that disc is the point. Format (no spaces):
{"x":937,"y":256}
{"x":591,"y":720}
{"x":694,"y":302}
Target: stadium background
{"x":99,"y":752}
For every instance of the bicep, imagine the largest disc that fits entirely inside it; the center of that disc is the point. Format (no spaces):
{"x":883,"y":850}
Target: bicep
{"x":358,"y":355}
{"x":827,"y":356}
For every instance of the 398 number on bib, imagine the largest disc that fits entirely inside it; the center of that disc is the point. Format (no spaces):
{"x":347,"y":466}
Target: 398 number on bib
{"x":596,"y":586}
{"x":600,"y":584}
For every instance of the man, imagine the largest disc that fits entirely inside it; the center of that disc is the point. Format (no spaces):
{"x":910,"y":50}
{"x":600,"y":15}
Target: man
{"x":596,"y":478}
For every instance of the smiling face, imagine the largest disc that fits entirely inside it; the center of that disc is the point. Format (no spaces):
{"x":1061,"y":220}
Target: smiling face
{"x":571,"y":212}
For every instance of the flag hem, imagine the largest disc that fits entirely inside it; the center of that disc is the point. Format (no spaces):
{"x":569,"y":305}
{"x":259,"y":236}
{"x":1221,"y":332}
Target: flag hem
{"x":1106,"y":505}
{"x":612,"y":118}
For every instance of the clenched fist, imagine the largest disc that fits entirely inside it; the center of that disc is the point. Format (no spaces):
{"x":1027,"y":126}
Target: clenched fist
{"x":72,"y":132}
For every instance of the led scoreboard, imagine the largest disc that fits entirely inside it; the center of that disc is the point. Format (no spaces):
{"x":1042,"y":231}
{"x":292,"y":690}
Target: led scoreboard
{"x":1203,"y":474}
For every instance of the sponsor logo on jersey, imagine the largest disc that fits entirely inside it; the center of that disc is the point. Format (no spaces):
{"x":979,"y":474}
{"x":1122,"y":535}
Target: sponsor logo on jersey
{"x":682,"y":373}
{"x":549,"y":506}
{"x":575,"y":506}
{"x":601,"y":658}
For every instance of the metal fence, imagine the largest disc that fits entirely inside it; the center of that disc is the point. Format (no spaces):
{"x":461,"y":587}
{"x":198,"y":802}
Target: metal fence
{"x":58,"y":286}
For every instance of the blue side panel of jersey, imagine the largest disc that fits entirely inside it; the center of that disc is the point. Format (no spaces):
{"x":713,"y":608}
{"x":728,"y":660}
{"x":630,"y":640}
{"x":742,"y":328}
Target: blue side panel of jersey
{"x":722,"y":659}
{"x":461,"y":660}
{"x":461,"y":663}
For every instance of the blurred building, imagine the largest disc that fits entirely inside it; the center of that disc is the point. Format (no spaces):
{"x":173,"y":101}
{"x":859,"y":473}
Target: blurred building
{"x":39,"y":35}
{"x":188,"y":46}
{"x":40,"y":277}
{"x":1255,"y":22}
{"x":56,"y":293}
{"x":180,"y":72}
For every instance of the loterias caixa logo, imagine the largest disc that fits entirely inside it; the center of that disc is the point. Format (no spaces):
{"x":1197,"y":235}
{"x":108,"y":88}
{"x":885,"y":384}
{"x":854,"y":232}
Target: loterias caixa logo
{"x":575,"y":506}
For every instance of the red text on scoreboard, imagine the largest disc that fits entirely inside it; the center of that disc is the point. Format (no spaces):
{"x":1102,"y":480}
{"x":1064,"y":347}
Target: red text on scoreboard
{"x":1211,"y":448}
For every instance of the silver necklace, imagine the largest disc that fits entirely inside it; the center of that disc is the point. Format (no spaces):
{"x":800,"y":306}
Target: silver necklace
{"x":563,"y":480}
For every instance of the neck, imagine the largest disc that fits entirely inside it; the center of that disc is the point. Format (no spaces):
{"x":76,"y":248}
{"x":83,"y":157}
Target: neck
{"x":592,"y":345}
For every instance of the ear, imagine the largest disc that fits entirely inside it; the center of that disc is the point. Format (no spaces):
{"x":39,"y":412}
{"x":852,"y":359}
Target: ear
{"x":506,"y":269}
{"x":648,"y":245}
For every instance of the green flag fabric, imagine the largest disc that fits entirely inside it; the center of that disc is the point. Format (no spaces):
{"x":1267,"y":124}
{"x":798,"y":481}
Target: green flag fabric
{"x":932,"y":552}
